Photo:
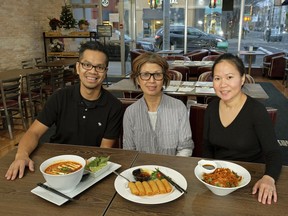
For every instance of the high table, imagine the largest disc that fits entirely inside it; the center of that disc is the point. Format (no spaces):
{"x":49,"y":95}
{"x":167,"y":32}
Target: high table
{"x":7,"y":74}
{"x":102,"y":199}
{"x":188,"y":88}
{"x":250,"y":54}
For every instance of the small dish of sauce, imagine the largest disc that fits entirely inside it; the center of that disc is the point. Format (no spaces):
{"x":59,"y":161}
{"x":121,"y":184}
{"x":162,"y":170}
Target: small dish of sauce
{"x":207,"y":166}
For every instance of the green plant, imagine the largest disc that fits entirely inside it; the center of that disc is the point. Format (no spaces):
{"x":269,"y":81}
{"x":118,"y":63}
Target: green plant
{"x":83,"y":22}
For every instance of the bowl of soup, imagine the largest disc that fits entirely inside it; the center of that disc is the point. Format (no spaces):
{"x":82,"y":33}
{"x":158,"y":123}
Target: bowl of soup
{"x":63,"y":172}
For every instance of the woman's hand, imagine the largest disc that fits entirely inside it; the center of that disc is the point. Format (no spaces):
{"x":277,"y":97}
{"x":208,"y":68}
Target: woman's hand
{"x":266,"y":190}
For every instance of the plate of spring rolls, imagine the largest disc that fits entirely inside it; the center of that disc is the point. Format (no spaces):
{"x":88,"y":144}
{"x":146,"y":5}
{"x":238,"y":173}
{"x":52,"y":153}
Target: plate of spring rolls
{"x":152,"y":191}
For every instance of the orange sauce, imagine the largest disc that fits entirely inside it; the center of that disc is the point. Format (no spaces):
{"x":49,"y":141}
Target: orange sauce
{"x":63,"y":168}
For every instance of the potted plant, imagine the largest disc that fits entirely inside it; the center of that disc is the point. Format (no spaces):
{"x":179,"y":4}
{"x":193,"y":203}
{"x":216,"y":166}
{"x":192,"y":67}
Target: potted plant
{"x":83,"y":24}
{"x":54,"y":23}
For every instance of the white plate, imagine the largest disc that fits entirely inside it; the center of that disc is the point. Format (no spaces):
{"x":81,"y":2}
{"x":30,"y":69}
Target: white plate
{"x":58,"y":200}
{"x":121,"y":186}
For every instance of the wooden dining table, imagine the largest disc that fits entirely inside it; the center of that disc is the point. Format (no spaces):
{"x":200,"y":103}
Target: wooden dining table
{"x":67,"y":62}
{"x":7,"y":74}
{"x":102,"y":198}
{"x":188,"y":88}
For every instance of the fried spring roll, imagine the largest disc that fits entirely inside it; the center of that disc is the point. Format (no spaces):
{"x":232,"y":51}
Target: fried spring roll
{"x":167,"y":185}
{"x":133,"y":188}
{"x":147,"y":188}
{"x":140,"y":188}
{"x":154,"y":187}
{"x":161,"y":186}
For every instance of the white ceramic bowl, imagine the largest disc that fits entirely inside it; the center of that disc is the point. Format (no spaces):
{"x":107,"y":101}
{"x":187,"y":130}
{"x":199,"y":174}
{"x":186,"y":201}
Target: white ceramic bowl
{"x":221,"y":191}
{"x":207,"y":166}
{"x":63,"y":183}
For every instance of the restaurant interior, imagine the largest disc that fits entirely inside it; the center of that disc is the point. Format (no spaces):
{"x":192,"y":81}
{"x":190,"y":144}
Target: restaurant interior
{"x":39,"y":50}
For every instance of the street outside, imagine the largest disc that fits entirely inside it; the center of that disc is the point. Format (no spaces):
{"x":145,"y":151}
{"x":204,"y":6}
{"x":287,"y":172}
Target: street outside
{"x":256,"y":39}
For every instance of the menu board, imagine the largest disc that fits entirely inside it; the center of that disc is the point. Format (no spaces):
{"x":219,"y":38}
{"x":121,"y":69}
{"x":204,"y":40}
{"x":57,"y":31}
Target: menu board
{"x":104,"y":30}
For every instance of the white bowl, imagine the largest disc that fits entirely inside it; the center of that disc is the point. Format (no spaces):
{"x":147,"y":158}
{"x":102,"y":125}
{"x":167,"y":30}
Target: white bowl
{"x":64,"y":183}
{"x":207,"y":166}
{"x":221,"y":191}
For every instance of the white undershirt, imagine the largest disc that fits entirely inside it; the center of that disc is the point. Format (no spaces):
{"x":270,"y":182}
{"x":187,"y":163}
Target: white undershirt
{"x":153,"y":119}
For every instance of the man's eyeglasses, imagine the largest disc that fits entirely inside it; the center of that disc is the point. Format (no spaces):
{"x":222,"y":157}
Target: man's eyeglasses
{"x":98,"y":68}
{"x":146,"y":76}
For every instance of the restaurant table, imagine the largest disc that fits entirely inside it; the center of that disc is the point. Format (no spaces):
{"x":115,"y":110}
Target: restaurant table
{"x":178,"y":63}
{"x":192,"y":65}
{"x":58,"y":63}
{"x":188,"y":88}
{"x":7,"y":74}
{"x":16,"y":198}
{"x":201,"y":201}
{"x":102,"y":198}
{"x":250,"y":54}
{"x":170,"y":52}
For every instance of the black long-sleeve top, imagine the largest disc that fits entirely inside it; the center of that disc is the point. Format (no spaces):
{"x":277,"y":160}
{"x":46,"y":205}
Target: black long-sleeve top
{"x":250,"y":137}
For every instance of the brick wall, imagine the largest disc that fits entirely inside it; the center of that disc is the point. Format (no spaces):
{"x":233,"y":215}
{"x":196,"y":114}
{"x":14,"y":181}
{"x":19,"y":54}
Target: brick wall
{"x":22,"y":24}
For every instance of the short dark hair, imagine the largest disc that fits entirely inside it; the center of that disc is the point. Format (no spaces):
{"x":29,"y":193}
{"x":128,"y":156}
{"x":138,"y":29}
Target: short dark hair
{"x":96,"y":46}
{"x":149,"y":57}
{"x":232,"y":59}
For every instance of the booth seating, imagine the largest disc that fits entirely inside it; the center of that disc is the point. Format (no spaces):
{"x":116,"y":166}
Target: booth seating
{"x":274,"y":65}
{"x":198,"y":55}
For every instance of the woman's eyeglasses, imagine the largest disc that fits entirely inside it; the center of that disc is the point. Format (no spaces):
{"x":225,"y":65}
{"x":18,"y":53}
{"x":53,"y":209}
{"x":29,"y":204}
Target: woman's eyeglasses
{"x":98,"y":68}
{"x":146,"y":76}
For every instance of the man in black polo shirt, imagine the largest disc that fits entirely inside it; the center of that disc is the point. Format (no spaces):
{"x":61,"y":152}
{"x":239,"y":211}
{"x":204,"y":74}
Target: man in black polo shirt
{"x":84,"y":114}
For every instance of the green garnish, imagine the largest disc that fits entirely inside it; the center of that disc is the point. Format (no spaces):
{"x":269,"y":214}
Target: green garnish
{"x":97,"y":164}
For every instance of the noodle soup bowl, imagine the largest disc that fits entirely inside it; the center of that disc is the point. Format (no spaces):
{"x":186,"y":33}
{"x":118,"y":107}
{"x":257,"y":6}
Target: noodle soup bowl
{"x":67,"y":182}
{"x":223,"y":191}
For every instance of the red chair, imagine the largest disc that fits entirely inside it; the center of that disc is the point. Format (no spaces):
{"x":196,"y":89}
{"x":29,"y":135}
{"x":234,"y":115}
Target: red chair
{"x":184,"y":71}
{"x":196,"y":118}
{"x":201,"y":70}
{"x":197,"y":56}
{"x":210,"y":58}
{"x":267,"y":59}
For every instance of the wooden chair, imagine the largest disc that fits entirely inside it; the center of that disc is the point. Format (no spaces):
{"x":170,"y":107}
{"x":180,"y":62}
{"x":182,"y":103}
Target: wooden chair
{"x":185,"y":71}
{"x":210,"y":58}
{"x":267,"y":61}
{"x":203,"y":69}
{"x":27,"y":64}
{"x":206,"y":77}
{"x":249,"y":79}
{"x":56,"y":82}
{"x":34,"y":95}
{"x":38,"y":60}
{"x":174,"y":75}
{"x":197,"y":55}
{"x":10,"y":103}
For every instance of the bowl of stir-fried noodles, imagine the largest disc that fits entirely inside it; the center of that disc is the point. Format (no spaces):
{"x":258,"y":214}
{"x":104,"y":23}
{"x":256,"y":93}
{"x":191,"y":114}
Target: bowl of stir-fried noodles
{"x":228,"y":177}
